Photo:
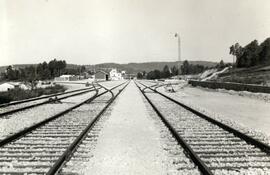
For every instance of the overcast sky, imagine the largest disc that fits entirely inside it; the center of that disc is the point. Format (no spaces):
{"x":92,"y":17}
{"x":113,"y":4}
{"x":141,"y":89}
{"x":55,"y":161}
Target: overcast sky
{"x":122,"y":31}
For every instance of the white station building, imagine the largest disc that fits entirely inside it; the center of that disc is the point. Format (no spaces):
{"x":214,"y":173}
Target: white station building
{"x":114,"y":75}
{"x":66,"y":78}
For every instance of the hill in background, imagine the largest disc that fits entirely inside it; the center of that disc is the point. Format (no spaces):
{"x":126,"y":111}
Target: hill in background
{"x":147,"y":66}
{"x":16,"y":66}
{"x":132,"y":68}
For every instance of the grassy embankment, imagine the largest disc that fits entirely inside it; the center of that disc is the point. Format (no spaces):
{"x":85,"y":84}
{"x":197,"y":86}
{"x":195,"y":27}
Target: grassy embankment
{"x":20,"y":94}
{"x":259,"y":75}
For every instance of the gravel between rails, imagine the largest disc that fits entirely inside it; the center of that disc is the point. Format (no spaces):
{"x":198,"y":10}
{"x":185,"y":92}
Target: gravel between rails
{"x":170,"y":155}
{"x":110,"y":84}
{"x":255,"y":133}
{"x":18,"y":121}
{"x":78,"y":162}
{"x":21,"y":105}
{"x":36,"y":152}
{"x":222,"y":152}
{"x":176,"y":161}
{"x":219,"y":117}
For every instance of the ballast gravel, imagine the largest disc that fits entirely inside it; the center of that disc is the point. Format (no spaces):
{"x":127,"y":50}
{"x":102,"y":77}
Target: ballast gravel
{"x":16,"y":122}
{"x":131,"y":141}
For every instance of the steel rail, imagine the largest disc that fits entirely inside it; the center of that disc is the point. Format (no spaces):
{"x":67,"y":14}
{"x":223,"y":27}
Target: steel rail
{"x":111,"y":88}
{"x":160,"y":84}
{"x":163,"y":84}
{"x":25,"y":131}
{"x":148,"y":87}
{"x":39,"y":98}
{"x":264,"y":147}
{"x":61,"y":82}
{"x":106,"y":89}
{"x":69,"y":151}
{"x":189,"y":151}
{"x":42,"y":103}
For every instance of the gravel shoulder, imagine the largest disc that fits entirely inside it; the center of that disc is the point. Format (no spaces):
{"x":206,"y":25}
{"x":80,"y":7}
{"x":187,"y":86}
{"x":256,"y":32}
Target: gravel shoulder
{"x":246,"y":111}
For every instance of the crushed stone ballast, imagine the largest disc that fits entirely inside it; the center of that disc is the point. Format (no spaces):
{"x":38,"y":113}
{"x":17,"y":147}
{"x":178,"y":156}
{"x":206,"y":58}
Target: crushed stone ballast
{"x":215,"y":147}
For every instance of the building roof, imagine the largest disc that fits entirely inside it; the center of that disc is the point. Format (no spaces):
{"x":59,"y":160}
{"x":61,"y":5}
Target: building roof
{"x":101,"y":72}
{"x":6,"y":86}
{"x":66,"y":76}
{"x":14,"y":84}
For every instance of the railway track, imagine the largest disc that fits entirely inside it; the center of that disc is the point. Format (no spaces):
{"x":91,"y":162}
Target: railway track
{"x":214,"y":147}
{"x":42,"y":97}
{"x":44,"y":147}
{"x":13,"y":107}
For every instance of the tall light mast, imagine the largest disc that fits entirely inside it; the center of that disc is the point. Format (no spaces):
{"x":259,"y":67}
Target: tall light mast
{"x":179,"y":52}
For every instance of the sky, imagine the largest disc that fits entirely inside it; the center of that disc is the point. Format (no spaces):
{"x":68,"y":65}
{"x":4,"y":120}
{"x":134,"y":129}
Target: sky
{"x":123,"y":31}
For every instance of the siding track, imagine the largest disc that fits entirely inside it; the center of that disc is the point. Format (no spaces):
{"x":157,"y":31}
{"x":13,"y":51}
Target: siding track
{"x":45,"y":146}
{"x":13,"y":107}
{"x":216,"y":148}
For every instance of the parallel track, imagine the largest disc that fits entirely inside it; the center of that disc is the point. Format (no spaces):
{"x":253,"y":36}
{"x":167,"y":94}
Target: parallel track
{"x":31,"y":103}
{"x":45,"y":146}
{"x":214,"y":147}
{"x":42,"y":97}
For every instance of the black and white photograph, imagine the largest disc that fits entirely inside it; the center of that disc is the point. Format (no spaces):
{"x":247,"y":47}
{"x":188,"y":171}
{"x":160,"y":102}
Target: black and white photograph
{"x":134,"y":87}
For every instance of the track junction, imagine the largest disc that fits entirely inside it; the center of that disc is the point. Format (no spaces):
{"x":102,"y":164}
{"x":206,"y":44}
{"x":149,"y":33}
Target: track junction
{"x":197,"y":143}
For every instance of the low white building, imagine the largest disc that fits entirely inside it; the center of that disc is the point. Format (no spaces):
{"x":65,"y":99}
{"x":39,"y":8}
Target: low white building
{"x":6,"y":87}
{"x":44,"y":84}
{"x":66,"y":78}
{"x":11,"y":85}
{"x":114,"y":75}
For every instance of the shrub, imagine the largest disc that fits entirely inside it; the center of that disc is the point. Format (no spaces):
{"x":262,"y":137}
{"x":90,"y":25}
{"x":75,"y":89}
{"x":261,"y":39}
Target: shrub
{"x":20,"y":94}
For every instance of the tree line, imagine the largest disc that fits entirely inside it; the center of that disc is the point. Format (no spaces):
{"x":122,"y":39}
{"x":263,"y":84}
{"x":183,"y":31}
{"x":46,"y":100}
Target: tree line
{"x":252,"y":54}
{"x":187,"y":69}
{"x":157,"y":74}
{"x":167,"y":72}
{"x":41,"y":71}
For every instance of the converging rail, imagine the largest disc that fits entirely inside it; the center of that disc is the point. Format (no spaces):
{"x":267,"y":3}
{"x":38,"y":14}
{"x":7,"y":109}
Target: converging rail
{"x":45,"y":146}
{"x":214,"y":147}
{"x":31,"y":103}
{"x":42,"y":97}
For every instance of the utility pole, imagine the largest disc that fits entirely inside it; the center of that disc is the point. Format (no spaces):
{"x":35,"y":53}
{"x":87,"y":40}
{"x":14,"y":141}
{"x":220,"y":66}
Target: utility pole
{"x":179,"y":52}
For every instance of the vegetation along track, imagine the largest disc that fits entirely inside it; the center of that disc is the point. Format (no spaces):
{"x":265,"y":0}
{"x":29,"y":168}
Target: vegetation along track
{"x":13,"y":107}
{"x":45,"y":146}
{"x":215,"y":147}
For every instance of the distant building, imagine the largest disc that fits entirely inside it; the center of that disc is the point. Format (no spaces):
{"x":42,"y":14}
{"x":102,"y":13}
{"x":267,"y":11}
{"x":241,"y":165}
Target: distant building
{"x":6,"y":87}
{"x":130,"y":76}
{"x":66,"y":78}
{"x":86,"y":75}
{"x":114,"y":75}
{"x":12,"y":85}
{"x":101,"y":75}
{"x":44,"y":84}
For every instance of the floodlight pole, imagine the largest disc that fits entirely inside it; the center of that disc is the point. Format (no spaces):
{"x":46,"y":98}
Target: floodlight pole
{"x":179,"y":52}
